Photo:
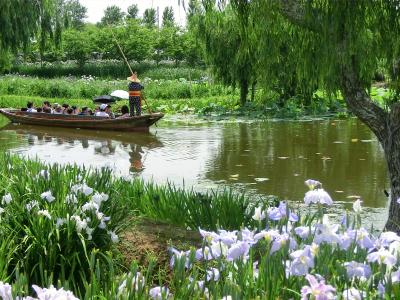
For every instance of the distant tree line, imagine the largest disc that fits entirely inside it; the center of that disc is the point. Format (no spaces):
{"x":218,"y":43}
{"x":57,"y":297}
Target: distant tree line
{"x":64,"y":35}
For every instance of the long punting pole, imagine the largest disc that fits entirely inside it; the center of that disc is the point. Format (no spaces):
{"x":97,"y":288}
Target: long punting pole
{"x":129,"y":66}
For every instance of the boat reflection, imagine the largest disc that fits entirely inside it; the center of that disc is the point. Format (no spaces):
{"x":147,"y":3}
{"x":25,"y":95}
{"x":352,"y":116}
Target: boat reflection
{"x":96,"y":146}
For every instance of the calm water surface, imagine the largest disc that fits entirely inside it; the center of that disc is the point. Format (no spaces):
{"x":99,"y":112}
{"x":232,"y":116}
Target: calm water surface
{"x":261,"y":158}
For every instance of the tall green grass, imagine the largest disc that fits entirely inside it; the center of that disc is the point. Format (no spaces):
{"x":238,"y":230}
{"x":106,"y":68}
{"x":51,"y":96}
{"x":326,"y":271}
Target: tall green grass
{"x":89,"y":87}
{"x":109,"y":69}
{"x":35,"y":245}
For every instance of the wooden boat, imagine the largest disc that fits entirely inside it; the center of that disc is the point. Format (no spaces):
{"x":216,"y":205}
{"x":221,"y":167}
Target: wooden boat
{"x":137,"y":123}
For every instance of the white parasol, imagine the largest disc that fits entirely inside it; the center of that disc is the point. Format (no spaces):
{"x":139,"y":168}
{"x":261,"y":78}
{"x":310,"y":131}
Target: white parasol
{"x":120,"y":94}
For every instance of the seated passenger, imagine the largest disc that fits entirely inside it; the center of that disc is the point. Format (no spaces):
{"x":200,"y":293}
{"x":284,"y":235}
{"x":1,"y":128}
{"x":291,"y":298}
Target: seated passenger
{"x":75,"y":110}
{"x":109,"y":111}
{"x":47,"y":110}
{"x":84,"y":111}
{"x":46,"y":104}
{"x":64,"y":108}
{"x":124,"y":112}
{"x":30,"y":107}
{"x":70,"y":111}
{"x":101,"y":112}
{"x":39,"y":109}
{"x":57,"y":110}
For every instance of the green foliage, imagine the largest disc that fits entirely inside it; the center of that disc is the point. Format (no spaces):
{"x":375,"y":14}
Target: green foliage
{"x":133,"y":11}
{"x":89,"y":87}
{"x":109,"y":69}
{"x":74,"y":14}
{"x":228,"y":46}
{"x":112,"y":16}
{"x":150,"y":17}
{"x":77,"y":46}
{"x":136,"y":41}
{"x":168,"y":16}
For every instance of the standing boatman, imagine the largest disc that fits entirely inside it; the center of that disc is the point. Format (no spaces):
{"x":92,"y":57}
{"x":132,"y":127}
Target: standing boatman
{"x":135,"y":95}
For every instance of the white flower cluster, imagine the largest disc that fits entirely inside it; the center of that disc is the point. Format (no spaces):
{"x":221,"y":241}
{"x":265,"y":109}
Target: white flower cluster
{"x":50,"y":293}
{"x":86,"y":218}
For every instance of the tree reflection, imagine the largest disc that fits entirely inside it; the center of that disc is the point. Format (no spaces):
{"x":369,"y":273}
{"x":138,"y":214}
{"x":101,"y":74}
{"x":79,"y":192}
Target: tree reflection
{"x":287,"y":153}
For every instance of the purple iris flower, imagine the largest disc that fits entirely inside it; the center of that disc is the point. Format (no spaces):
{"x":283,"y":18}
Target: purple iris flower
{"x":386,"y":238}
{"x":327,"y":233}
{"x":362,"y":238}
{"x":281,"y":241}
{"x":356,"y":269}
{"x":396,"y":276}
{"x":318,"y":196}
{"x":382,"y":256}
{"x":177,"y":255}
{"x":302,"y":262}
{"x":227,"y":237}
{"x":353,"y":294}
{"x":280,"y":212}
{"x":317,"y":290}
{"x":239,"y":249}
{"x":159,"y":293}
{"x":213,"y":274}
{"x":303,"y":231}
{"x":248,"y":236}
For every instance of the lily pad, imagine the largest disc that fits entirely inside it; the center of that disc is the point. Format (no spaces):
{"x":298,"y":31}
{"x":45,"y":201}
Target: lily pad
{"x":261,"y":179}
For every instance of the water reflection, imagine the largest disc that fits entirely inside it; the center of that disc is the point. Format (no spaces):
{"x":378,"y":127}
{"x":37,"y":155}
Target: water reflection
{"x":276,"y":158}
{"x":124,"y":152}
{"x":261,"y":158}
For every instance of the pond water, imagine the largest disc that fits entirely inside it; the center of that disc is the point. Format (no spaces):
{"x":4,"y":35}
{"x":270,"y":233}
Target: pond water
{"x":260,"y":158}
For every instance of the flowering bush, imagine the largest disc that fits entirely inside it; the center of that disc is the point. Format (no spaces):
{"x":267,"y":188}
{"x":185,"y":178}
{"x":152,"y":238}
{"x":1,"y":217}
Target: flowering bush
{"x":291,"y":257}
{"x":55,"y":224}
{"x":57,"y":227}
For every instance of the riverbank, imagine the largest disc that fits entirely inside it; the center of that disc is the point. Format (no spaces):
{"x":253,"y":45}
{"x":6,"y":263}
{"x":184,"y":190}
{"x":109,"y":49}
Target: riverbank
{"x":66,"y":226}
{"x":201,"y":97}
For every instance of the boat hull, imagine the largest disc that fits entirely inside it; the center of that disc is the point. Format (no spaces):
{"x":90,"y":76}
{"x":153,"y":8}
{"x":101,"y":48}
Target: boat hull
{"x":137,"y":123}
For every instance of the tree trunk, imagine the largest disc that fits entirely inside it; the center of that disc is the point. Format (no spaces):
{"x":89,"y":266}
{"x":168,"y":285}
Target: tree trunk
{"x":244,"y":90}
{"x":391,"y":146}
{"x":386,"y":126}
{"x":253,"y":90}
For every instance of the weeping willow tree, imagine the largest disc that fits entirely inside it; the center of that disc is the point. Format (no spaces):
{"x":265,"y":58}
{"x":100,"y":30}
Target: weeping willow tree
{"x":337,"y":45}
{"x":20,"y":20}
{"x":227,"y":42}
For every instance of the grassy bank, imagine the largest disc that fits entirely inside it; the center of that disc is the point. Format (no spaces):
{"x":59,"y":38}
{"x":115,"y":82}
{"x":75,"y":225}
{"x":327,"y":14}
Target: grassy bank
{"x":171,"y":96}
{"x":60,"y":226}
{"x":89,"y":87}
{"x":110,"y":69}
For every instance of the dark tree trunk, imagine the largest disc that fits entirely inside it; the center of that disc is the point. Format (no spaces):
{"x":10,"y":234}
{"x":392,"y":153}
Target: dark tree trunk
{"x":386,"y":126}
{"x":391,"y":146}
{"x":253,"y":90}
{"x":244,"y":90}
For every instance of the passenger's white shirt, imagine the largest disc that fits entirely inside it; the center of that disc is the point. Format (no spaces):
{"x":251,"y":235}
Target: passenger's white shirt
{"x":31,"y":110}
{"x":101,"y":114}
